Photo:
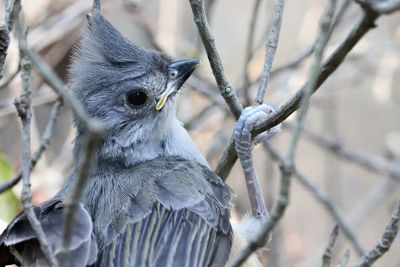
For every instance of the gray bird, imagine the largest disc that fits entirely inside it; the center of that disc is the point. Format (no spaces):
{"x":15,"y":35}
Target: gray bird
{"x":151,"y":199}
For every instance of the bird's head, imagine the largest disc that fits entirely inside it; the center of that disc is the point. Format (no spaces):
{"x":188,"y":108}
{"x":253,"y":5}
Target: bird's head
{"x":130,"y":88}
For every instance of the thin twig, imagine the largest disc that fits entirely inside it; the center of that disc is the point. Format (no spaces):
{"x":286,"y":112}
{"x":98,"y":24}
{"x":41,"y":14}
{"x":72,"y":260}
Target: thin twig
{"x":85,"y":166}
{"x":249,"y":50}
{"x":373,"y":163}
{"x":96,"y":5}
{"x":287,"y":168}
{"x":294,"y":62}
{"x":361,"y":27}
{"x":25,"y":113}
{"x":94,"y":130}
{"x":225,"y":87}
{"x":6,"y":81}
{"x":381,"y":7}
{"x":345,"y":259}
{"x":327,"y":257}
{"x":322,"y":197}
{"x":13,"y":8}
{"x":385,"y":241}
{"x":48,"y":132}
{"x":272,"y":44}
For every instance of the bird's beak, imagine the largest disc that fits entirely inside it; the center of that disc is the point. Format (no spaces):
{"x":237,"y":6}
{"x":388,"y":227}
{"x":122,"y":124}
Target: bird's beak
{"x":178,"y":73}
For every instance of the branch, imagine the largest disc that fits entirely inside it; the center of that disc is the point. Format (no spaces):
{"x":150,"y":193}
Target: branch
{"x":327,"y":257}
{"x":90,"y":124}
{"x":288,"y":163}
{"x":85,"y":166}
{"x":272,"y":44}
{"x":373,"y":163}
{"x":345,"y":259}
{"x":12,"y":10}
{"x":381,"y":7}
{"x":362,"y":26}
{"x":6,"y":81}
{"x":249,"y":52}
{"x":48,"y":132}
{"x":225,"y":87}
{"x":322,"y":197}
{"x":385,"y":241}
{"x":96,"y":5}
{"x":24,"y":112}
{"x":94,"y":131}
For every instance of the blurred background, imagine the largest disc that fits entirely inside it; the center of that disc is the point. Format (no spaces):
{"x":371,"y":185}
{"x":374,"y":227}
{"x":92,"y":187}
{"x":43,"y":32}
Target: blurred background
{"x":351,"y":146}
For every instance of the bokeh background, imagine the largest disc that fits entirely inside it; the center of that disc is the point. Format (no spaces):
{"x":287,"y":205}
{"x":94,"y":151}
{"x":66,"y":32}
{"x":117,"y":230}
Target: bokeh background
{"x":357,"y":108}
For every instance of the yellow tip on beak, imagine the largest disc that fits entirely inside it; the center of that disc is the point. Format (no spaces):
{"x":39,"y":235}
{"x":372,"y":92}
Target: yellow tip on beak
{"x":164,"y":96}
{"x":161,"y":102}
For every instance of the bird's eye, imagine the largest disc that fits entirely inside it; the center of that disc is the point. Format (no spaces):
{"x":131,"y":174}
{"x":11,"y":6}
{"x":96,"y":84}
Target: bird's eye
{"x":136,"y":98}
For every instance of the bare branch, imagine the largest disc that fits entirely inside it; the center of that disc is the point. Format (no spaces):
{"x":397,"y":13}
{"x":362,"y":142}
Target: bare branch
{"x":272,"y":44}
{"x":288,"y":163}
{"x":96,"y":5}
{"x":345,"y":259}
{"x":6,"y":81}
{"x":293,"y":63}
{"x":84,"y":169}
{"x":90,"y":124}
{"x":24,"y":112}
{"x":362,"y":26}
{"x":322,"y":197}
{"x":373,"y":163}
{"x":225,"y":87}
{"x":12,"y":10}
{"x":249,"y":50}
{"x":381,"y":7}
{"x":48,"y":132}
{"x":385,"y":241}
{"x":327,"y":257}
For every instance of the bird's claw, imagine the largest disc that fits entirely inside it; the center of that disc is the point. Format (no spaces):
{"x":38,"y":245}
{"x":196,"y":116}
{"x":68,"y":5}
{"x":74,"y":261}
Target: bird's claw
{"x":245,"y":124}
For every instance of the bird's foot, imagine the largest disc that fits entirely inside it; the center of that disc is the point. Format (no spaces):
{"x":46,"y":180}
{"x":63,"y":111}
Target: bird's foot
{"x":244,"y":146}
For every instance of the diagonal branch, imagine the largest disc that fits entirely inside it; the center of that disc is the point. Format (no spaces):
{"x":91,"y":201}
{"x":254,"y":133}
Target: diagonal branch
{"x":272,"y":44}
{"x":385,"y":241}
{"x":362,"y":26}
{"x":322,"y":197}
{"x":288,"y":163}
{"x":225,"y":87}
{"x":12,"y":10}
{"x":23,"y":106}
{"x":327,"y":257}
{"x":48,"y":132}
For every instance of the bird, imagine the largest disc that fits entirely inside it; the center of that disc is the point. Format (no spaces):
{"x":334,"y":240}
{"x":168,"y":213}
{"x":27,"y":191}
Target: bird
{"x":151,"y":198}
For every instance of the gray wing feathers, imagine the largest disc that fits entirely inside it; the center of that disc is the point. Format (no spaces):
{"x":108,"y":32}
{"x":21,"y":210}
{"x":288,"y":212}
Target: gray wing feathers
{"x":176,"y":214}
{"x":163,"y":212}
{"x":20,"y":235}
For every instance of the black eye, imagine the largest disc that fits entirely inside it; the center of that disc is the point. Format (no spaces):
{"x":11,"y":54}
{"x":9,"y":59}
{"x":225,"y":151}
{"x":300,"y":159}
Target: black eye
{"x":136,"y":98}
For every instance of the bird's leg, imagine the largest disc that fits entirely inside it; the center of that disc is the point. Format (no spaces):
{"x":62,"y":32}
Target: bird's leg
{"x":244,"y":146}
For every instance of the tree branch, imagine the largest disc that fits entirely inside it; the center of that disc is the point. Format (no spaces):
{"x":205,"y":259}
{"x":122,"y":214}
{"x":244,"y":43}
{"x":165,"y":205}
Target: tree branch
{"x":288,"y":163}
{"x":96,"y":5}
{"x":327,"y":257}
{"x":249,"y":51}
{"x":225,"y":87}
{"x":24,"y":112}
{"x":385,"y":241}
{"x":362,"y":26}
{"x":12,"y":10}
{"x":272,"y":44}
{"x":345,"y":259}
{"x":381,"y":7}
{"x":48,"y":132}
{"x":322,"y":197}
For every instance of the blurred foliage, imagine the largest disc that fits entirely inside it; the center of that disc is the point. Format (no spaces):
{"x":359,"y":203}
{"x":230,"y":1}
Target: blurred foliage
{"x":9,"y":202}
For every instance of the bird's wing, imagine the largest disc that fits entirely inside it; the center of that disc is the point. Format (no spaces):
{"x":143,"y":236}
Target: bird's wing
{"x":20,"y":238}
{"x":171,"y":212}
